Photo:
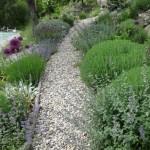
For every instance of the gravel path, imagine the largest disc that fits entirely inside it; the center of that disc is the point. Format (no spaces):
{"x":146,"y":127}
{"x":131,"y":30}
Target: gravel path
{"x":60,"y":125}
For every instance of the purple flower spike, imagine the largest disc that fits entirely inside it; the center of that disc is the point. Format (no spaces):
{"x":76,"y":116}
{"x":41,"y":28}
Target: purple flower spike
{"x":7,"y":52}
{"x":27,"y":46}
{"x":15,"y":43}
{"x":20,"y":38}
{"x":136,"y":22}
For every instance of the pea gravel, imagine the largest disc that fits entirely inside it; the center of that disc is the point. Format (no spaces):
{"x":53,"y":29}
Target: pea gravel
{"x":60,"y":125}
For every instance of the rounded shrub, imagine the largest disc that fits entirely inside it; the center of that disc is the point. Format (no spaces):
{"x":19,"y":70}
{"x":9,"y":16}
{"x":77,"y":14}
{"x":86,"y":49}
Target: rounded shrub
{"x":109,"y":58}
{"x":82,"y":15}
{"x":120,"y":114}
{"x":135,"y":77}
{"x":16,"y":14}
{"x":53,"y":29}
{"x":27,"y":69}
{"x":68,"y":18}
{"x":132,"y":30}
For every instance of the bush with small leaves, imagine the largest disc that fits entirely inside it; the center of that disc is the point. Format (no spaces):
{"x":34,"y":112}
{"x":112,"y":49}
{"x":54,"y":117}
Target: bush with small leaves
{"x":119,"y":115}
{"x":82,"y":15}
{"x":138,"y":6}
{"x":116,"y":4}
{"x":132,"y":30}
{"x":108,"y":59}
{"x":52,"y":29}
{"x":15,"y":109}
{"x":95,"y":33}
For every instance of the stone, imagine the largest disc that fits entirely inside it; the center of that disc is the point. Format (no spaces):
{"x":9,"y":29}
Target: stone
{"x":145,"y":18}
{"x":147,"y":29}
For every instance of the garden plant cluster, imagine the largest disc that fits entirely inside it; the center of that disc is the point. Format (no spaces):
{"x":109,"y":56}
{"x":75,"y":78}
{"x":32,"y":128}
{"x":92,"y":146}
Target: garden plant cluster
{"x":22,"y":63}
{"x":116,"y":67}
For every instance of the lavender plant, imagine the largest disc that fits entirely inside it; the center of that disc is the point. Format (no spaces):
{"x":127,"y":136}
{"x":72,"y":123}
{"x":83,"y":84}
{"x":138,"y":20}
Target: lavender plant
{"x":45,"y":48}
{"x":91,"y":35}
{"x":52,"y":29}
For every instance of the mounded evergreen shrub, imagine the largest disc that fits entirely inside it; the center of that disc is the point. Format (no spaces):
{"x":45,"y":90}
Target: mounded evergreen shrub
{"x":106,"y":60}
{"x":53,"y":29}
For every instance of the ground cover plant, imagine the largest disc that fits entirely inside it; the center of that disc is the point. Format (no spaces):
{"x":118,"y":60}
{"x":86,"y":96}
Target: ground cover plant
{"x":120,"y":114}
{"x":109,"y":58}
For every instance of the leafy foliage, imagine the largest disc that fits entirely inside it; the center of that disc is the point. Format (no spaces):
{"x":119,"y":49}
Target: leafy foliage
{"x":53,"y":29}
{"x":27,"y":69}
{"x":120,"y":114}
{"x":15,"y":105}
{"x":44,"y":48}
{"x":138,"y":6}
{"x":82,"y":15}
{"x":106,"y":60}
{"x":91,"y":35}
{"x":14,"y":13}
{"x":116,"y":4}
{"x":132,"y":30}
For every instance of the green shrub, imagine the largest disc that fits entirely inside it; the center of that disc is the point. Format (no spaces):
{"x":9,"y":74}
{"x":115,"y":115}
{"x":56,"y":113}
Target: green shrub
{"x":119,"y":115}
{"x":27,"y":69}
{"x":133,"y":77}
{"x":4,"y":104}
{"x":68,"y":18}
{"x":27,"y":34}
{"x":94,"y":12}
{"x":82,"y":15}
{"x":116,"y":4}
{"x":125,"y":15}
{"x":53,"y":29}
{"x":138,"y":6}
{"x":16,"y":14}
{"x":132,"y":30}
{"x":91,"y":1}
{"x":140,"y":37}
{"x":105,"y":17}
{"x":109,"y":58}
{"x":91,"y":35}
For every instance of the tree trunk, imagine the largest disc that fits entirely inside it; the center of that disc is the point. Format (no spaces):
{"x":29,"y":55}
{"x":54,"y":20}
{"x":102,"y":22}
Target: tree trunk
{"x":33,"y":12}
